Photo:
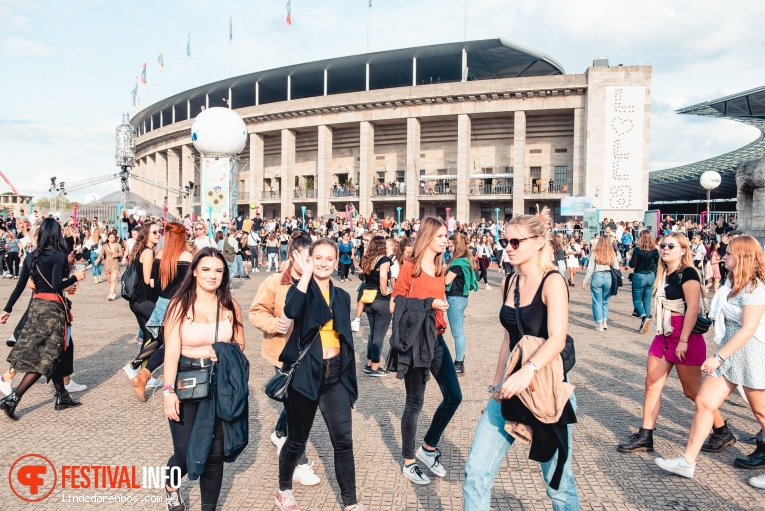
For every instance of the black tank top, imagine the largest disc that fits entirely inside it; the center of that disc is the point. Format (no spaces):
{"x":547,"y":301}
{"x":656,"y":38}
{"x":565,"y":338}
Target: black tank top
{"x":533,"y":316}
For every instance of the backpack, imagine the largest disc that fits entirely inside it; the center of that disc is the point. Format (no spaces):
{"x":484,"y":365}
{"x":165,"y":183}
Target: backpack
{"x":132,"y":282}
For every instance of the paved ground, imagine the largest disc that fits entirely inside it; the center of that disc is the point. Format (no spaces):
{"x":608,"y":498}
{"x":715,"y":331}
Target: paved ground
{"x":111,"y":428}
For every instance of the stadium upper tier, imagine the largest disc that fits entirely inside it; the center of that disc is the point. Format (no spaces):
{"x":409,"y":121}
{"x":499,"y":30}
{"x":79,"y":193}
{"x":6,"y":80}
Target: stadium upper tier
{"x":682,"y":183}
{"x":438,"y":63}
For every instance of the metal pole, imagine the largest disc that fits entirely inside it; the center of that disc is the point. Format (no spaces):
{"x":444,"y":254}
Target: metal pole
{"x":302,"y":209}
{"x":398,"y":212}
{"x":447,"y":221}
{"x":496,"y":225}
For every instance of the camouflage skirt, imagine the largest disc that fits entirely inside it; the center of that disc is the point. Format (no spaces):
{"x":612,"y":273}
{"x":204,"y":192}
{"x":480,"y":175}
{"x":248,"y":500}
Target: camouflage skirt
{"x":41,"y":341}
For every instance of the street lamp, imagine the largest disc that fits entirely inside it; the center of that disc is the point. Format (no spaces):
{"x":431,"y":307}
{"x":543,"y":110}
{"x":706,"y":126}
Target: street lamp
{"x":496,"y":225}
{"x":302,"y":210}
{"x":709,"y":181}
{"x":398,"y":213}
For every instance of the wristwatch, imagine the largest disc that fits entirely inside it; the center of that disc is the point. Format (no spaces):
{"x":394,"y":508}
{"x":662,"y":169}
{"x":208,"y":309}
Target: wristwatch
{"x":719,"y":358}
{"x":531,"y":366}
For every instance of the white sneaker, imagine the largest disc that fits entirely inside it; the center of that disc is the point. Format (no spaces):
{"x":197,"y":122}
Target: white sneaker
{"x":488,"y":287}
{"x":304,"y":475}
{"x":432,"y":460}
{"x":75,"y":387}
{"x":599,"y":327}
{"x":415,"y":474}
{"x":355,"y":325}
{"x":5,"y":387}
{"x":758,"y":482}
{"x":130,"y":372}
{"x":677,"y":466}
{"x":278,"y":441}
{"x":257,"y":270}
{"x":153,"y":383}
{"x":605,"y":324}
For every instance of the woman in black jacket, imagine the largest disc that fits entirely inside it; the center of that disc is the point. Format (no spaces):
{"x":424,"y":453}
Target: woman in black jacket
{"x":326,"y":377}
{"x":645,"y":258}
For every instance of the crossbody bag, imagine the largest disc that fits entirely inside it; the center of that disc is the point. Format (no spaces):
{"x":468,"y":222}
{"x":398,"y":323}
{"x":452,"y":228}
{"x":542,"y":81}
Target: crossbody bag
{"x":195,"y":384}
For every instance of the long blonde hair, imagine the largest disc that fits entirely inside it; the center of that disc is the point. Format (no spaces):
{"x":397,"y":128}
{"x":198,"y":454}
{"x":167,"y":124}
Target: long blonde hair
{"x":686,"y":261}
{"x":537,"y":225}
{"x":604,"y":252}
{"x":750,"y":264}
{"x":646,"y":242}
{"x":429,"y":227}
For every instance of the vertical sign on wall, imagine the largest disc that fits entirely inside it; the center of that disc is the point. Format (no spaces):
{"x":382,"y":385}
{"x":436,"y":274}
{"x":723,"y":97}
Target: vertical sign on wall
{"x":623,"y":159}
{"x":215,"y":187}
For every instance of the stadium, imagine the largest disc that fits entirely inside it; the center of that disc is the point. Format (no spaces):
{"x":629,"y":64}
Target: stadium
{"x":483,"y":128}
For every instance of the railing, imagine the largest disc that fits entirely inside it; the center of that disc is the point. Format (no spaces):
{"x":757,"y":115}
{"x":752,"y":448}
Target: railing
{"x":343,"y":192}
{"x":438,"y":187}
{"x":389,"y":191}
{"x":270,"y":195}
{"x":243,"y":196}
{"x":300,"y":193}
{"x":495,"y":186}
{"x":547,"y":188}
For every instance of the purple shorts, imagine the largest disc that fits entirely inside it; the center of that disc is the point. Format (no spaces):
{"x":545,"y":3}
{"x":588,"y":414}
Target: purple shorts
{"x":664,"y":346}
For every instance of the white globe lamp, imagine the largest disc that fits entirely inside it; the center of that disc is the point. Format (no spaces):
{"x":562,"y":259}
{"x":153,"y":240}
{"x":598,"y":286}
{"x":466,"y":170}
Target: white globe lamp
{"x":219,"y":131}
{"x":709,"y":181}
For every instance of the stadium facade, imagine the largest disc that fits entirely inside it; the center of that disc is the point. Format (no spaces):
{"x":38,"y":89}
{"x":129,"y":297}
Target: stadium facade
{"x":470,"y":127}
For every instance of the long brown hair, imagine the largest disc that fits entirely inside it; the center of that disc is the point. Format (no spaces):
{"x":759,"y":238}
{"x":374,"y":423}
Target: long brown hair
{"x":604,"y":252}
{"x":429,"y":227}
{"x":750,"y":264}
{"x":461,"y":248}
{"x":140,"y":240}
{"x":646,"y":242}
{"x":376,"y":249}
{"x":403,"y":244}
{"x":175,"y":244}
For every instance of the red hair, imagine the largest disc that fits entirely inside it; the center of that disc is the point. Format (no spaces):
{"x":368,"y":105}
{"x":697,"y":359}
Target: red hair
{"x":175,"y":244}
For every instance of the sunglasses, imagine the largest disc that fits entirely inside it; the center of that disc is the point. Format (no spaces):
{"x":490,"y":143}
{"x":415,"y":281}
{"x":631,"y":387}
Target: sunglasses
{"x":516,"y":242}
{"x":665,"y":245}
{"x":154,"y":232}
{"x":199,"y":229}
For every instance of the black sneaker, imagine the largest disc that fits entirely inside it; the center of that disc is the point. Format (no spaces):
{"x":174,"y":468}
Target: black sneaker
{"x":174,"y":500}
{"x":367,"y":369}
{"x":459,"y":367}
{"x":377,"y":372}
{"x":719,"y":440}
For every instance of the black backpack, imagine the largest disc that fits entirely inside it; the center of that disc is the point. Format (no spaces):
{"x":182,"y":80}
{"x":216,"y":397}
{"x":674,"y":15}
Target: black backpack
{"x":132,"y":282}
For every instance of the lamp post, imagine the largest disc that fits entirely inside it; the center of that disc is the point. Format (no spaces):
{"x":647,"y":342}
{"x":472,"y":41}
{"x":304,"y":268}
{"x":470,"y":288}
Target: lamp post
{"x":447,"y":221}
{"x":209,"y":221}
{"x":302,"y":210}
{"x":119,"y":219}
{"x":496,"y":225}
{"x":31,"y":207}
{"x":709,"y":181}
{"x":398,"y":216}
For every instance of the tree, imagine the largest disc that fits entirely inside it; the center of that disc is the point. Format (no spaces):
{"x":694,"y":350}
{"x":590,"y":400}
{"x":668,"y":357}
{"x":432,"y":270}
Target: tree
{"x":43,"y":203}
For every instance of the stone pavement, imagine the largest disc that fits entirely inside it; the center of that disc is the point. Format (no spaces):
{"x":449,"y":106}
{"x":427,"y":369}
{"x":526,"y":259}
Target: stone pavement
{"x":112,"y":428}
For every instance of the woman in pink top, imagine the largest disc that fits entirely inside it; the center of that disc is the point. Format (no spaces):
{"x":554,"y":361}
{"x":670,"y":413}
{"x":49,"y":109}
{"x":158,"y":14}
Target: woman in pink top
{"x":190,"y":325}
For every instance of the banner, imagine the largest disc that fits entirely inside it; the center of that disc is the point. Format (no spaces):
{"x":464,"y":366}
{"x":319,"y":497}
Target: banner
{"x":575,"y":206}
{"x":591,"y":225}
{"x":215,"y":188}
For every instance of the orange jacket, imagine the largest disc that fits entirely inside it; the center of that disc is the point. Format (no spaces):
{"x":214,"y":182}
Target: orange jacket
{"x":266,"y":309}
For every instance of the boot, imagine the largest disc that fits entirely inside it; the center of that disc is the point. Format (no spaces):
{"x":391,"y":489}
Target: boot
{"x":719,"y":439}
{"x":139,"y":384}
{"x":640,"y":441}
{"x":754,"y":460}
{"x":64,"y":401}
{"x":10,"y":402}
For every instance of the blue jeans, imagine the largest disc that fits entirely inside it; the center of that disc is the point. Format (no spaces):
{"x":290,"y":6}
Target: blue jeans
{"x":96,"y":269}
{"x":239,"y":265}
{"x":456,"y":315}
{"x":490,"y":445}
{"x":231,"y":270}
{"x":600,"y":287}
{"x":642,"y":289}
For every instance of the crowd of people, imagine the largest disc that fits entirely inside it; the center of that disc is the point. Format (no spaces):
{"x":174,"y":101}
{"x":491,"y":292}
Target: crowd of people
{"x":415,"y":281}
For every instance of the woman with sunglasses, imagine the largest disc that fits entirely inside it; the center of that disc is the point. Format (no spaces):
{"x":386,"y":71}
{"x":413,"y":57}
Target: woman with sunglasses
{"x":201,"y":239}
{"x":741,"y":333}
{"x":603,"y":260}
{"x":677,"y":294}
{"x":544,"y":314}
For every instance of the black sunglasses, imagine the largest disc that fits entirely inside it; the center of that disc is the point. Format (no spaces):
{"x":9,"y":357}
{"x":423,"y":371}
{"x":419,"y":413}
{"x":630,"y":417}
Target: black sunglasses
{"x":516,"y":242}
{"x":665,"y":245}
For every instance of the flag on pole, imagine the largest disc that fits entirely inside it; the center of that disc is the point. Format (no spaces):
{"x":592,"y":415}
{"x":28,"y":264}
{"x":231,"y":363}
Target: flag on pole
{"x":143,"y":73}
{"x":289,"y":12}
{"x":161,"y":60}
{"x":188,"y":45}
{"x":230,"y":28}
{"x":370,"y":3}
{"x":135,"y":91}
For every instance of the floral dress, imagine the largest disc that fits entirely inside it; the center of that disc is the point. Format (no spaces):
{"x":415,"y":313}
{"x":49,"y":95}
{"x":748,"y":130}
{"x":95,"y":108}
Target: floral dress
{"x":745,"y":366}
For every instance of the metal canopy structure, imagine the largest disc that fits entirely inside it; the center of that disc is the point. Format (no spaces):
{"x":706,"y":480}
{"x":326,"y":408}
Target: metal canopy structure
{"x":682,"y":183}
{"x":440,"y":63}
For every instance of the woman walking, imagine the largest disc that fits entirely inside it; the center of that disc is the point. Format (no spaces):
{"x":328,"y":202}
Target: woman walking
{"x":572,"y":259}
{"x":110,"y":254}
{"x":345,"y":246}
{"x":272,"y":250}
{"x":376,"y":271}
{"x":599,"y":271}
{"x":740,"y":330}
{"x":422,"y":279}
{"x":41,"y":345}
{"x":676,"y":293}
{"x":483,"y":253}
{"x":544,"y":314}
{"x":645,"y":258}
{"x":94,"y":244}
{"x":321,"y":312}
{"x":460,"y":280}
{"x":13,"y":256}
{"x":714,"y":267}
{"x":203,"y":323}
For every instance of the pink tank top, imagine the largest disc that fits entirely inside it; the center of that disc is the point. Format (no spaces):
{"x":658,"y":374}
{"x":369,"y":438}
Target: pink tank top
{"x":197,"y":338}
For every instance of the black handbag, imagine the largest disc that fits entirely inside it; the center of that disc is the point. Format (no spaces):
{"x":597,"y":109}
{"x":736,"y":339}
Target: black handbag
{"x":132,"y":282}
{"x":702,"y":320}
{"x":196,"y":384}
{"x":277,"y":386}
{"x":568,"y":355}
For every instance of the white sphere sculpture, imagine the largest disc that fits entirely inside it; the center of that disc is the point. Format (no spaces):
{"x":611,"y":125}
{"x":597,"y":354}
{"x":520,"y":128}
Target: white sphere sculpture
{"x":219,"y":130}
{"x":710,"y":180}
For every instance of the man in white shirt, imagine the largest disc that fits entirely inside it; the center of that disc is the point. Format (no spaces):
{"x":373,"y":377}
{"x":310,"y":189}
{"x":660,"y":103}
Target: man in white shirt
{"x":253,"y":241}
{"x":452,"y":224}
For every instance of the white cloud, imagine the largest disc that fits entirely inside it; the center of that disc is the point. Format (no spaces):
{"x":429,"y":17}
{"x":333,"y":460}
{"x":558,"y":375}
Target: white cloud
{"x":15,"y":46}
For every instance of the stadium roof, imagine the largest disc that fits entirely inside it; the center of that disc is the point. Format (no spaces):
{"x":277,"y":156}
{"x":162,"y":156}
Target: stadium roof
{"x":682,"y":183}
{"x":486,"y":59}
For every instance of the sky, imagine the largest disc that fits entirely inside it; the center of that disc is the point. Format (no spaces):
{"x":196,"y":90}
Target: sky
{"x":69,"y":67}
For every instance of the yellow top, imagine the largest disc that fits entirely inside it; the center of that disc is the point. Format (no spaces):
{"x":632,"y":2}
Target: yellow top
{"x":329,"y":338}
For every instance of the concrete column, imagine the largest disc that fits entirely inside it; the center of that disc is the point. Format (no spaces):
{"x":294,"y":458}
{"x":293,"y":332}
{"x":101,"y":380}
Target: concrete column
{"x":412,"y":178}
{"x":173,"y":179}
{"x":188,"y":109}
{"x":151,"y":123}
{"x":289,"y":88}
{"x":257,"y":93}
{"x":366,"y":159}
{"x":173,"y":114}
{"x":207,"y":101}
{"x":325,"y":82}
{"x":463,"y":167}
{"x":578,"y":157}
{"x":255,"y":186}
{"x":414,"y":71}
{"x":288,"y":181}
{"x":323,"y":169}
{"x":187,"y":172}
{"x":159,"y":174}
{"x":229,"y":98}
{"x":161,"y":119}
{"x":367,"y":76}
{"x":519,"y":162}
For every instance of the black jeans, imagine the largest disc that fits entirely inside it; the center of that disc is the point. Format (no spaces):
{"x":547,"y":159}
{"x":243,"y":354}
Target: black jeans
{"x":343,"y":269}
{"x":211,"y":479}
{"x":442,"y":368}
{"x":142,"y":311}
{"x":254,"y":256}
{"x":379,"y":316}
{"x":13,"y":263}
{"x":335,"y":405}
{"x":483,"y":270}
{"x":281,"y":430}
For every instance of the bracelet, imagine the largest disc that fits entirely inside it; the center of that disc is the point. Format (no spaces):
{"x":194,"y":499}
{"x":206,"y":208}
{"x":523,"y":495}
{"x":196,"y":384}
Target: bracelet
{"x":168,"y":387}
{"x":167,"y":392}
{"x":531,"y":366}
{"x":491,"y":388}
{"x":719,"y":358}
{"x":682,"y":342}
